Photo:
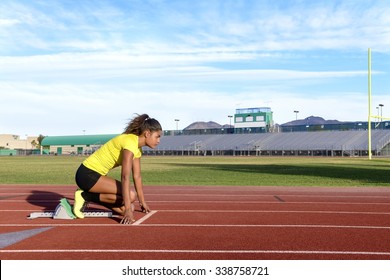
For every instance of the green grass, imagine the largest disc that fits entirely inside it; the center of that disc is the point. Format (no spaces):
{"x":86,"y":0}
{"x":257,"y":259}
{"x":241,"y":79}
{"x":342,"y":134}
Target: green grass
{"x":236,"y":171}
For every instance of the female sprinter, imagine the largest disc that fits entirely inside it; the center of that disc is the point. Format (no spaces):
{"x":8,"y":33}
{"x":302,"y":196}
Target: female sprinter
{"x":123,"y":150}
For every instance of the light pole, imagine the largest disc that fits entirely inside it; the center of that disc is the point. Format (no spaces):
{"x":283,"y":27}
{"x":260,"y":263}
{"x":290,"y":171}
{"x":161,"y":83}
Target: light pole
{"x":230,"y":120}
{"x":381,"y":105}
{"x":177,"y":124}
{"x":296,"y":114}
{"x":230,"y":130}
{"x":377,"y":118}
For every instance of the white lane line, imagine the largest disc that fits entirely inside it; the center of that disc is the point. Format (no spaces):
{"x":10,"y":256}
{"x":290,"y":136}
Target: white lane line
{"x":269,"y":226}
{"x":203,"y":225}
{"x":198,"y":251}
{"x":264,"y":202}
{"x":273,"y":211}
{"x":144,"y":218}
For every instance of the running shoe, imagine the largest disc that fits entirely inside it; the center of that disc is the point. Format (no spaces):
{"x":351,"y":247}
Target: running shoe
{"x":79,"y":203}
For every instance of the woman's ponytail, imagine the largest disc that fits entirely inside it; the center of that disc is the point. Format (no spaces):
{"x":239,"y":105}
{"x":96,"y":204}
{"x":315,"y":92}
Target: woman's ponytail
{"x":141,"y":123}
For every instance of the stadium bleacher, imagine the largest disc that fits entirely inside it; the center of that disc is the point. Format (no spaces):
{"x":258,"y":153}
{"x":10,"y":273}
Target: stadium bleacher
{"x":325,"y":143}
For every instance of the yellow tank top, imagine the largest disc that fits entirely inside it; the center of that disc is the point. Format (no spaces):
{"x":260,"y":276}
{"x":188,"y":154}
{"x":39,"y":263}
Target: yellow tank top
{"x":110,"y":154}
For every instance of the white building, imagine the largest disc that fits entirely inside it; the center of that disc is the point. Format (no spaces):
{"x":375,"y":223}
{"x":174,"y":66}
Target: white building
{"x":13,"y":142}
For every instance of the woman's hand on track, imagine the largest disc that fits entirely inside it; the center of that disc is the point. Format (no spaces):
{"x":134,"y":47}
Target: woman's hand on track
{"x":128,"y":217}
{"x":144,"y":207}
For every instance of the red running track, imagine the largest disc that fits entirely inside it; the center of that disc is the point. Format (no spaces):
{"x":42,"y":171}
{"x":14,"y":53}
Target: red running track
{"x":216,"y":223}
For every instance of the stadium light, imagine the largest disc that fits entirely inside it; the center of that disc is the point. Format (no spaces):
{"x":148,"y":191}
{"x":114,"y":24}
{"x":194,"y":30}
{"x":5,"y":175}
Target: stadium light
{"x":381,"y":105}
{"x":230,"y":120}
{"x":177,"y":124}
{"x":296,"y":114}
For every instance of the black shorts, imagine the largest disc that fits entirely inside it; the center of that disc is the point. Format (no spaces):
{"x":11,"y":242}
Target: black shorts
{"x":86,"y":178}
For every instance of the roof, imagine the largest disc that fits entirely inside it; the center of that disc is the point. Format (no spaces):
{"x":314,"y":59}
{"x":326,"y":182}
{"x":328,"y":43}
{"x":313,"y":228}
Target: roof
{"x":77,"y":140}
{"x":312,"y":120}
{"x":203,"y":125}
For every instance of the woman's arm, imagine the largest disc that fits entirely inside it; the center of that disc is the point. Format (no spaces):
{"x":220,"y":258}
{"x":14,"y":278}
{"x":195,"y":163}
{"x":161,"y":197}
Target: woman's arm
{"x":127,"y":166}
{"x":138,"y":184}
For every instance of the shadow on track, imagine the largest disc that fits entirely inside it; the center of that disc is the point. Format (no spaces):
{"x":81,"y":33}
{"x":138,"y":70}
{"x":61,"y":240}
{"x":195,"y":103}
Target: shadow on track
{"x":47,"y":200}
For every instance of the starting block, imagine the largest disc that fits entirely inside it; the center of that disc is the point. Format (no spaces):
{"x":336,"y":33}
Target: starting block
{"x":64,"y":211}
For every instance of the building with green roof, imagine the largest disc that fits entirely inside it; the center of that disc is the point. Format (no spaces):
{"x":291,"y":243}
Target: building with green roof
{"x":76,"y":144}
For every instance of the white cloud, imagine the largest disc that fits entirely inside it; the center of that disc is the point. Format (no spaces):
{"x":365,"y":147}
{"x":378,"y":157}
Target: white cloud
{"x":74,"y":67}
{"x":8,"y":22}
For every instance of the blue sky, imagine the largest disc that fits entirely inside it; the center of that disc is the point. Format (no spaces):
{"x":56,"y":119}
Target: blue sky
{"x":70,"y":66}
